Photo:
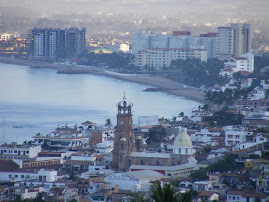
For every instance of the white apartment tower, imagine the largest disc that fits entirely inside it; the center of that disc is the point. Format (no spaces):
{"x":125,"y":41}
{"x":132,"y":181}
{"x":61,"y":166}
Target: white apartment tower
{"x":233,"y":41}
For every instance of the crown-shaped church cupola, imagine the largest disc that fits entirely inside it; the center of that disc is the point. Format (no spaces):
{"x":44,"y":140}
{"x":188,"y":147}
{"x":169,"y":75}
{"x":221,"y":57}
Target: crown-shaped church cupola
{"x":124,"y":107}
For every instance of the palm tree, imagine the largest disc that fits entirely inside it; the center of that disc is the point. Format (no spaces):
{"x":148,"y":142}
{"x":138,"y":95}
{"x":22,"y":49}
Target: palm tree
{"x":108,"y":123}
{"x":167,"y":193}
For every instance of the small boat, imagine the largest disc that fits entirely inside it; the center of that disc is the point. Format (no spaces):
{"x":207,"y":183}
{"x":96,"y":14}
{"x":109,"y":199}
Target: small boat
{"x":17,"y":126}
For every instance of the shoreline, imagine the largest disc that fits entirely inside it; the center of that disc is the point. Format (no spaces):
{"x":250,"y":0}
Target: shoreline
{"x":162,"y":84}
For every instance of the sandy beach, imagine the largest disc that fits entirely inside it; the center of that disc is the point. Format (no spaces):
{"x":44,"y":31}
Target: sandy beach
{"x":162,"y":84}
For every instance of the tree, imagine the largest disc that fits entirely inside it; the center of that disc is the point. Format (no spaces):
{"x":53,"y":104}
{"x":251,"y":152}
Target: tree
{"x":45,"y":146}
{"x":108,"y":123}
{"x":181,"y":114}
{"x":72,"y":175}
{"x":199,"y":175}
{"x":156,"y":134}
{"x":167,"y":193}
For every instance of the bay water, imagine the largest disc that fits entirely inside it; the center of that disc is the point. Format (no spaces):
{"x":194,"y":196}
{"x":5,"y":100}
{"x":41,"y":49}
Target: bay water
{"x":38,"y":100}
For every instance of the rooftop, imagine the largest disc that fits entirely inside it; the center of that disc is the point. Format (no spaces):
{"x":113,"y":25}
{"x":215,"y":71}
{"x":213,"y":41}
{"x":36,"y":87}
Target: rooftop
{"x":150,"y":155}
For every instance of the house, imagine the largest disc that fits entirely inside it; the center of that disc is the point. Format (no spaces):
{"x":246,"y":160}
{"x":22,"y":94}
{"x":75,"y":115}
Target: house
{"x":61,"y":139}
{"x":203,"y":185}
{"x":234,"y":135}
{"x":243,"y":64}
{"x":186,"y":183}
{"x":19,"y":151}
{"x":208,"y":196}
{"x":42,"y":175}
{"x":245,"y":195}
{"x":134,"y":180}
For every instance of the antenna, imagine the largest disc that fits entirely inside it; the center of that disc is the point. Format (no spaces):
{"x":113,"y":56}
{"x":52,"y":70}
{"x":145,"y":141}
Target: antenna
{"x":4,"y":127}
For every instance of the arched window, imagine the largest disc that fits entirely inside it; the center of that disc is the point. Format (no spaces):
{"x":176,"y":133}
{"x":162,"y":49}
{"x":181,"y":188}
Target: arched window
{"x":141,"y":162}
{"x":158,"y":163}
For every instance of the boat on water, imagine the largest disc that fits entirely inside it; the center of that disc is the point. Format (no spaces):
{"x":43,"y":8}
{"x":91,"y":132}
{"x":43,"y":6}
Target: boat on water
{"x":17,"y":126}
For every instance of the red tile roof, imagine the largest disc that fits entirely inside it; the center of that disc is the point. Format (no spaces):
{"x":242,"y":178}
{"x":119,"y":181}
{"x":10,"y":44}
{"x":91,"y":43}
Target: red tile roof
{"x":240,"y":58}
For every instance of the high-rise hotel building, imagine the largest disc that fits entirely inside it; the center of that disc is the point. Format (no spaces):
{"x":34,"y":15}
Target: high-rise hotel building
{"x":233,"y":41}
{"x":55,"y":43}
{"x":145,"y":39}
{"x":157,"y":51}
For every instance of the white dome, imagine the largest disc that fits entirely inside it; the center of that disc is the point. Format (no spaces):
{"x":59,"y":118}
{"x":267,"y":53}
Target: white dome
{"x":183,"y":139}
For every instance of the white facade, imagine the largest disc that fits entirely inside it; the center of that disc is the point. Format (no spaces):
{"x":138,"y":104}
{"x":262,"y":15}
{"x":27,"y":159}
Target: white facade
{"x":6,"y":37}
{"x":145,"y":39}
{"x":52,"y":44}
{"x":14,"y":151}
{"x":162,"y":57}
{"x":41,"y":176}
{"x":235,"y":135}
{"x":203,"y":185}
{"x":104,"y":147}
{"x":39,"y":46}
{"x":119,"y":47}
{"x":60,"y":140}
{"x":107,"y":134}
{"x":233,"y":41}
{"x":205,"y":136}
{"x":256,"y":140}
{"x":235,"y":64}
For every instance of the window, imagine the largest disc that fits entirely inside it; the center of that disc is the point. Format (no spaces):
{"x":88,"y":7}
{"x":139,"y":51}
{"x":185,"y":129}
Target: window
{"x":158,"y":163}
{"x":142,"y":162}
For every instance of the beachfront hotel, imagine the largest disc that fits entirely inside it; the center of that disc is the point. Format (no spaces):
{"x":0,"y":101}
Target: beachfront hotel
{"x":162,"y":57}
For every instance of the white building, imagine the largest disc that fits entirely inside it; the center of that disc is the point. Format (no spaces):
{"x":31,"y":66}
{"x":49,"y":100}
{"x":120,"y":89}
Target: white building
{"x":259,"y":139}
{"x":162,"y":57}
{"x":134,"y":180}
{"x":244,"y":63}
{"x":235,"y":135}
{"x":42,"y":176}
{"x":61,"y":140}
{"x":119,"y":47}
{"x":235,"y":196}
{"x":104,"y":147}
{"x":145,"y":39}
{"x":6,"y":37}
{"x":14,"y":151}
{"x":233,"y":41}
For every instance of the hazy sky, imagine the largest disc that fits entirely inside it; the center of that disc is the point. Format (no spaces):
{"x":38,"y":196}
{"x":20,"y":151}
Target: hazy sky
{"x":151,"y":7}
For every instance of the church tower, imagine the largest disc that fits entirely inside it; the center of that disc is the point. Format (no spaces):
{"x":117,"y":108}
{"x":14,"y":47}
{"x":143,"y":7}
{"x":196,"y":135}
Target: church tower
{"x":124,"y":136}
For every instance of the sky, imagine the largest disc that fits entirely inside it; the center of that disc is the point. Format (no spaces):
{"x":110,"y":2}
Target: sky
{"x":145,"y":7}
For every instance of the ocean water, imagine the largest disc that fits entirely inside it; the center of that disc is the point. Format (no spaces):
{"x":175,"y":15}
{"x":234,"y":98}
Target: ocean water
{"x":38,"y":100}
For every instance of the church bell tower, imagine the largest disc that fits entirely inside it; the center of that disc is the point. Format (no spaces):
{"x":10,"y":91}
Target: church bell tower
{"x":124,"y":136}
